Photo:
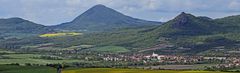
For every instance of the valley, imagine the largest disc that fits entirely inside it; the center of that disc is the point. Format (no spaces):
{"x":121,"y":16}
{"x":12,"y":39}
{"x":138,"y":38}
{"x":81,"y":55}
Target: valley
{"x":103,"y":40}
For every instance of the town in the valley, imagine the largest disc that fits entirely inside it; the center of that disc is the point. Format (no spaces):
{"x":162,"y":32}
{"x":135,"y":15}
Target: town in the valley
{"x":155,"y":59}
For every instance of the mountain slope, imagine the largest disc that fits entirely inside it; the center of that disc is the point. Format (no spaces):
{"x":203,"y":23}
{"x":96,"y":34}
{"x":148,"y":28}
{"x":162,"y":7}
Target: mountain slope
{"x":185,"y":34}
{"x":21,"y":26}
{"x":101,"y":17}
{"x":183,"y":25}
{"x":195,"y":33}
{"x":230,"y":23}
{"x":186,"y":30}
{"x":188,"y":25}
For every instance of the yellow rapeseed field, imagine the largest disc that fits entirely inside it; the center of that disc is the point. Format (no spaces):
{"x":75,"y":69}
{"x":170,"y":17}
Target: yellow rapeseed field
{"x":108,"y":70}
{"x":60,"y":34}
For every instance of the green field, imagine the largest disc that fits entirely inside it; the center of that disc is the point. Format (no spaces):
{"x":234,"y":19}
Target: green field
{"x":28,"y":58}
{"x":4,"y":51}
{"x":180,"y":67}
{"x":108,"y":70}
{"x":112,"y":49}
{"x":26,"y":69}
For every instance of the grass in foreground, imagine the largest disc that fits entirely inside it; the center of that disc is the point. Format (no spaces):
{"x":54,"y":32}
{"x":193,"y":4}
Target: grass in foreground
{"x":26,"y":69}
{"x":28,"y":58}
{"x":108,"y":70}
{"x":5,"y":52}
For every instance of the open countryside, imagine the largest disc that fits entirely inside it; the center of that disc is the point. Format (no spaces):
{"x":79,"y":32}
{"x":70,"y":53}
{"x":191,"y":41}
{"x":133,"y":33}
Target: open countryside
{"x":119,"y":36}
{"x":108,"y":70}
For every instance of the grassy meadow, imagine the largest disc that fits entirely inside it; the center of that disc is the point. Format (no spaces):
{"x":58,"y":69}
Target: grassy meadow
{"x":112,"y":49}
{"x":26,"y":69}
{"x":29,"y":58}
{"x":108,"y":70}
{"x":5,"y":52}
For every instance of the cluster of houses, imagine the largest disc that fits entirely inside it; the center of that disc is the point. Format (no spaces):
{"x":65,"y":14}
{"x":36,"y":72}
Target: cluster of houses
{"x":154,"y":58}
{"x":227,"y":61}
{"x":172,"y":58}
{"x":231,"y":62}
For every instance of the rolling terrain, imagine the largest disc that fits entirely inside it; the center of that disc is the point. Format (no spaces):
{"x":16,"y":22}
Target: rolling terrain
{"x":101,"y":39}
{"x":19,"y":28}
{"x":185,"y":34}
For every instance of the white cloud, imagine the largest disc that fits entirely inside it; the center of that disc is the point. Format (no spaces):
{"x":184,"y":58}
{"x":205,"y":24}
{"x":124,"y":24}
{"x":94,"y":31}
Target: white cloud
{"x":235,"y":5}
{"x":104,"y":1}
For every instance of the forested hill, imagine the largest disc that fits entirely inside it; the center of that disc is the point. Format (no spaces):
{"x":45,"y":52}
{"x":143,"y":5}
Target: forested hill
{"x":19,"y":25}
{"x":184,"y":31}
{"x":101,"y":18}
{"x":185,"y":34}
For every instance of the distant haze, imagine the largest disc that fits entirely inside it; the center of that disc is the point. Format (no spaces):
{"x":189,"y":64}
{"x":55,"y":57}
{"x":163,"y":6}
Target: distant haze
{"x":52,"y":12}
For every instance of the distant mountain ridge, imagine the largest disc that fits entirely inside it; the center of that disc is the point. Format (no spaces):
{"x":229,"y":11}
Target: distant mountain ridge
{"x":186,"y":30}
{"x":196,"y":33}
{"x":230,"y":23}
{"x":101,"y":17}
{"x":19,"y":25}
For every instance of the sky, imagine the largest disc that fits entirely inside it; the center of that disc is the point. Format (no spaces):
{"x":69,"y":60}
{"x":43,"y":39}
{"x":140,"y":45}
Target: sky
{"x":52,"y":12}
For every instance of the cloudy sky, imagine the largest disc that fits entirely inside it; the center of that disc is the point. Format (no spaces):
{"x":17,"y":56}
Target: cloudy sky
{"x":51,"y":12}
